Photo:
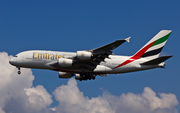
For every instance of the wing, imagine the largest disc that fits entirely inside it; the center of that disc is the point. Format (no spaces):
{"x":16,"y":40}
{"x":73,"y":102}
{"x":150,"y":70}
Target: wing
{"x":99,"y":54}
{"x":111,"y":46}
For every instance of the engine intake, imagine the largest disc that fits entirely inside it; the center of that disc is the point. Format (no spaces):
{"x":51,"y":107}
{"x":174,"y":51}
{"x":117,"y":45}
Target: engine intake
{"x":77,"y":76}
{"x":65,"y":75}
{"x":65,"y":62}
{"x":85,"y":77}
{"x":84,"y":55}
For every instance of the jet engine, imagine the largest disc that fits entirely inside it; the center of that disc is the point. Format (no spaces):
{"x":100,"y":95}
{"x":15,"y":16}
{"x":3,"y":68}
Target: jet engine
{"x":65,"y":74}
{"x":77,"y":76}
{"x":84,"y":77}
{"x":65,"y":62}
{"x":84,"y":55}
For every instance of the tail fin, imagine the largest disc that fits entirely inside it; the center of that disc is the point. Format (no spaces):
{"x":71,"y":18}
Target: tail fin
{"x":153,"y":48}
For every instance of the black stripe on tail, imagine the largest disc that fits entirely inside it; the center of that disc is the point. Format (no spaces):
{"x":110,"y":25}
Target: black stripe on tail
{"x":153,"y":52}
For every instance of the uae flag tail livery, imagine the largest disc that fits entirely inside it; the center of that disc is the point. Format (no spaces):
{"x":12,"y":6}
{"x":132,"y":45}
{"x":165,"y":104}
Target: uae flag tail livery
{"x":151,"y":50}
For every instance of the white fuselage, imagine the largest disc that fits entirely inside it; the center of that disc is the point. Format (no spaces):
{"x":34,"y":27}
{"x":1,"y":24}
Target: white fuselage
{"x":43,"y":59}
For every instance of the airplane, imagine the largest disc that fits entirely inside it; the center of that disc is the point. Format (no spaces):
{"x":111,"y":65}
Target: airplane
{"x":87,"y":64}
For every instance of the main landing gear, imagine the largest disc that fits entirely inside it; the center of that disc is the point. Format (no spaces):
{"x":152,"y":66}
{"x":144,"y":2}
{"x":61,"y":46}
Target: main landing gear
{"x":19,"y":71}
{"x":86,"y":76}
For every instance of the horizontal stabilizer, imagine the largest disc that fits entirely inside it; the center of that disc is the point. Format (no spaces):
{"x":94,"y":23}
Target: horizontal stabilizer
{"x":157,"y":60}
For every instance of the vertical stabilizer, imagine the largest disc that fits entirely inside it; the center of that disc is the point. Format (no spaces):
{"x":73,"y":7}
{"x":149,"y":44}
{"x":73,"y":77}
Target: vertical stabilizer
{"x":153,"y":48}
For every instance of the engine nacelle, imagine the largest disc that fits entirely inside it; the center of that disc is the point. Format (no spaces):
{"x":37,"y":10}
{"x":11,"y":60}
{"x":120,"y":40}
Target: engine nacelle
{"x":65,"y":62}
{"x":84,"y":55}
{"x":65,"y":75}
{"x":77,"y":76}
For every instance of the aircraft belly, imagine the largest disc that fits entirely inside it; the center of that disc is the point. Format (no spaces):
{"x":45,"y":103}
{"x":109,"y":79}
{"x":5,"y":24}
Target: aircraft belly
{"x":132,"y":67}
{"x":102,"y":69}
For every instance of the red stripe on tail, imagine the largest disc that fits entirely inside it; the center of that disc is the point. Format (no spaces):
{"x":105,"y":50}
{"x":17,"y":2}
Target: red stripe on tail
{"x":137,"y":55}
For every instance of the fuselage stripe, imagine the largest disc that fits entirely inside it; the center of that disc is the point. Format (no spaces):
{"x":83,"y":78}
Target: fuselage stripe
{"x":137,"y":55}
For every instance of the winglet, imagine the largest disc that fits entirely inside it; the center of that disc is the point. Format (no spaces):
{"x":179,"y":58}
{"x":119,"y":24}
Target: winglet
{"x":127,"y":39}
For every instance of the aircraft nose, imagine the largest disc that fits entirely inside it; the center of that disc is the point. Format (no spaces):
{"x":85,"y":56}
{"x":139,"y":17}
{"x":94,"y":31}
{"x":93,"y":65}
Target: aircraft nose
{"x":12,"y":61}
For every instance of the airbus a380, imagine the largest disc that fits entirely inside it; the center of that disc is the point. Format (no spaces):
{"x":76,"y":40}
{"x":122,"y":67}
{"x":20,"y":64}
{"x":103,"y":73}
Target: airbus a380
{"x":101,"y":61}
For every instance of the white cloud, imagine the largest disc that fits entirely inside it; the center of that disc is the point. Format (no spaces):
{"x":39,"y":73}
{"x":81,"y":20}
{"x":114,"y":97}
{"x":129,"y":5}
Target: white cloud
{"x":16,"y":91}
{"x":17,"y":95}
{"x":165,"y":100}
{"x":38,"y":97}
{"x":147,"y":102}
{"x":72,"y":100}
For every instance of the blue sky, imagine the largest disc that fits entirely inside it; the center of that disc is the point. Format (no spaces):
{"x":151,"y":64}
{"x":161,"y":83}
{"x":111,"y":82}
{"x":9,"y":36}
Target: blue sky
{"x":84,"y":25}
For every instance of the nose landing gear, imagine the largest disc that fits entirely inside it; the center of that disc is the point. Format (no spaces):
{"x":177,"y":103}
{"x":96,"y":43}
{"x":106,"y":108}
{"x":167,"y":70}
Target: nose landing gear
{"x":19,"y":71}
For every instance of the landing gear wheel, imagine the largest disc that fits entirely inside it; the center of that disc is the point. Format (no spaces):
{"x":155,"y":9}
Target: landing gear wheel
{"x":19,"y":72}
{"x":94,"y":76}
